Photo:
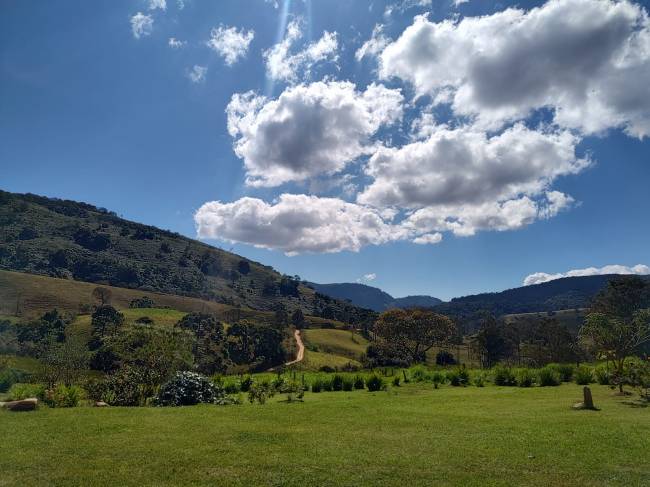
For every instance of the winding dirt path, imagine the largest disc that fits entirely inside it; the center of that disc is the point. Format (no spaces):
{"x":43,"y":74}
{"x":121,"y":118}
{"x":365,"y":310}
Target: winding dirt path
{"x":301,"y":348}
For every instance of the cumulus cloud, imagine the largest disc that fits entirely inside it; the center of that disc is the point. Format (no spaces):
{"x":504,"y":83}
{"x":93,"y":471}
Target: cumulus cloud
{"x":367,"y":278}
{"x":175,"y":43}
{"x":157,"y":4}
{"x":282,"y":65}
{"x":309,"y":130}
{"x":373,"y":46}
{"x":230,"y":43}
{"x":295,"y":224}
{"x":587,"y":60}
{"x":540,"y":277}
{"x":463,"y":166}
{"x":141,"y":25}
{"x":428,"y":239}
{"x":197,"y":73}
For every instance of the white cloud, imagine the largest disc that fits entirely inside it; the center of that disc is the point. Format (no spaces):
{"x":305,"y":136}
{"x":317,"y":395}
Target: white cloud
{"x":587,"y":60}
{"x":295,"y":224}
{"x":157,"y":4}
{"x":540,"y":277}
{"x":367,"y":278}
{"x":230,"y":43}
{"x":309,"y":130}
{"x":197,"y":74}
{"x":458,"y":3}
{"x":141,"y":25}
{"x":180,"y":4}
{"x":282,"y":65}
{"x":463,"y":166}
{"x":175,"y":43}
{"x":373,"y":46}
{"x":428,"y":239}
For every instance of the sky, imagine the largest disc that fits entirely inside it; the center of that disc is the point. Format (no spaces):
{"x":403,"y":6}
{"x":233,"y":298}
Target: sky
{"x":421,"y":146}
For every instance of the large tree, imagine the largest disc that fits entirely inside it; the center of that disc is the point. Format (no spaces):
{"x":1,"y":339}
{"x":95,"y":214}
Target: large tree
{"x":619,"y":323}
{"x":414,"y":331}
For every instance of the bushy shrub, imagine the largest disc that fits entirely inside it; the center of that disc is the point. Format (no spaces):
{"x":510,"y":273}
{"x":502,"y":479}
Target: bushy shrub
{"x":19,"y":391}
{"x":445,"y":357}
{"x":316,"y":385}
{"x":458,"y":377}
{"x":126,"y":387}
{"x":231,"y":387}
{"x":565,"y":371}
{"x":583,"y":375}
{"x":327,"y":385}
{"x":260,"y":392}
{"x":375,"y":383}
{"x":503,"y":376}
{"x":63,"y":396}
{"x":419,"y":373}
{"x":9,"y":377}
{"x":479,"y":379}
{"x":359,"y":382}
{"x":549,"y":376}
{"x":337,"y":383}
{"x":245,"y":384}
{"x":188,"y":388}
{"x":525,"y":377}
{"x":437,"y":378}
{"x":396,"y":381}
{"x":348,"y":384}
{"x":603,"y":375}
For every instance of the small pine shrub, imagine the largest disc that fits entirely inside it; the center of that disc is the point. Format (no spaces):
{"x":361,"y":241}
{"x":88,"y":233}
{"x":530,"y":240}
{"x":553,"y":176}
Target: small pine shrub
{"x":317,"y":385}
{"x":603,"y":375}
{"x":525,"y":377}
{"x":437,"y":378}
{"x":503,"y":376}
{"x":583,"y":375}
{"x":549,"y":376}
{"x":396,"y":381}
{"x":337,"y":383}
{"x":375,"y":383}
{"x":359,"y":382}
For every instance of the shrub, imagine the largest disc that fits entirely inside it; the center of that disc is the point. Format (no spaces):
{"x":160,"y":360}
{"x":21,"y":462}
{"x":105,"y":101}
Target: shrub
{"x":231,"y":387}
{"x":479,"y":379}
{"x":549,"y":376}
{"x":245,"y":384}
{"x":525,"y":377}
{"x":19,"y":391}
{"x":337,"y":383}
{"x":444,"y":357}
{"x":260,"y":392}
{"x":348,"y":384}
{"x":458,"y":377}
{"x":188,"y":388}
{"x":375,"y":383}
{"x":359,"y":382}
{"x":327,"y":385}
{"x":9,"y":377}
{"x":503,"y":376}
{"x":565,"y":371}
{"x":63,"y":396}
{"x":419,"y":373}
{"x":583,"y":375}
{"x":437,"y":378}
{"x":317,"y":385}
{"x":603,"y":375}
{"x":126,"y":387}
{"x":396,"y":381}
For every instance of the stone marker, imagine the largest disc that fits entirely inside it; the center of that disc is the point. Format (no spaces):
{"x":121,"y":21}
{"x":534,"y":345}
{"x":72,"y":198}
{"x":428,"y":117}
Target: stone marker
{"x":587,"y":401}
{"x":23,"y":405}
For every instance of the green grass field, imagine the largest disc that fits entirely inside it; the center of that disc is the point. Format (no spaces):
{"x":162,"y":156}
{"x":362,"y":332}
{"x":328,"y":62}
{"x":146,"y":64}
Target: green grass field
{"x":337,"y":342}
{"x":410,"y":435}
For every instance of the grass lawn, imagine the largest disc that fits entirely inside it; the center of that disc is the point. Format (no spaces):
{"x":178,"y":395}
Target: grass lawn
{"x":412,"y":435}
{"x":337,"y":342}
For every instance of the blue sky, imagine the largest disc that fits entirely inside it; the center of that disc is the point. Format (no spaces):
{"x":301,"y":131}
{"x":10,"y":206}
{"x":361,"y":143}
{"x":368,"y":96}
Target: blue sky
{"x":93,"y":109}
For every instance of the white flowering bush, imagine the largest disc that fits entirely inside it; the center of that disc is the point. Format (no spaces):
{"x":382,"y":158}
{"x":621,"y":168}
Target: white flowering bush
{"x":189,"y":388}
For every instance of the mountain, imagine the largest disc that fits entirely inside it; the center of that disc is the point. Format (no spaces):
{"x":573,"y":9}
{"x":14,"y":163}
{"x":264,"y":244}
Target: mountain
{"x":371,"y":297}
{"x":73,"y":240}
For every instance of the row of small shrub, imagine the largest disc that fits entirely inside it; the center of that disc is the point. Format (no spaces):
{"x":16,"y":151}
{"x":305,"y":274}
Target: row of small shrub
{"x":346,"y":383}
{"x":60,"y":396}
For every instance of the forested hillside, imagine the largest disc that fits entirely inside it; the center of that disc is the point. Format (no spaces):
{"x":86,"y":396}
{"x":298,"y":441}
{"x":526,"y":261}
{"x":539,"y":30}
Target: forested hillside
{"x":72,"y":240}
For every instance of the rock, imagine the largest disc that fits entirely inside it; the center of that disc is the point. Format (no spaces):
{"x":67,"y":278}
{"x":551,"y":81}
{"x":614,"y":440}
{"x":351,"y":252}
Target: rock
{"x":587,"y":399}
{"x":23,"y":405}
{"x":101,"y":404}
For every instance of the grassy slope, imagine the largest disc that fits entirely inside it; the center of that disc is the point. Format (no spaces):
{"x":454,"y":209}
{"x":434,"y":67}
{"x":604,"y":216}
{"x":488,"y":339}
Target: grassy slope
{"x":490,"y":436}
{"x":32,"y":295}
{"x":337,"y":342}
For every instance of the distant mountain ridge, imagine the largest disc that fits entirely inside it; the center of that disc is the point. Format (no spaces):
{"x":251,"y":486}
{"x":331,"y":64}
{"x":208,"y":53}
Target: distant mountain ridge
{"x":371,"y":297}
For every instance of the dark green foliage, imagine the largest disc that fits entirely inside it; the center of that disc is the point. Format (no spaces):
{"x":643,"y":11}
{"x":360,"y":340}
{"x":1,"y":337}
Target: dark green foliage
{"x":375,"y":383}
{"x":63,"y":362}
{"x":27,"y":233}
{"x":327,"y":385}
{"x":603,"y":375}
{"x":243,"y":267}
{"x":396,"y":381}
{"x":565,"y":371}
{"x":122,"y":388}
{"x":337,"y":383}
{"x":188,"y":388}
{"x":62,"y":396}
{"x":358,"y":382}
{"x":246,"y":383}
{"x":143,"y":302}
{"x":92,"y":240}
{"x":298,"y":319}
{"x":260,"y":392}
{"x":444,"y":358}
{"x":9,"y":377}
{"x":209,"y":348}
{"x":438,"y":378}
{"x":260,"y":346}
{"x":503,"y":376}
{"x":106,"y":320}
{"x":549,"y":376}
{"x":525,"y":377}
{"x":584,"y":375}
{"x":144,"y":320}
{"x":458,"y":377}
{"x":21,"y":391}
{"x":491,"y":342}
{"x":317,"y":385}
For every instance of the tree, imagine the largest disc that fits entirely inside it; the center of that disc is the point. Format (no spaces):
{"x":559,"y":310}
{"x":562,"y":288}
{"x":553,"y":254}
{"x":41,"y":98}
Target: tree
{"x":298,"y":318}
{"x":243,"y":267}
{"x":208,"y":349}
{"x":619,"y":323}
{"x":105,"y":321}
{"x":414,"y":331}
{"x":102,"y":295}
{"x":280,"y":316}
{"x":491,"y":342}
{"x":63,"y":362}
